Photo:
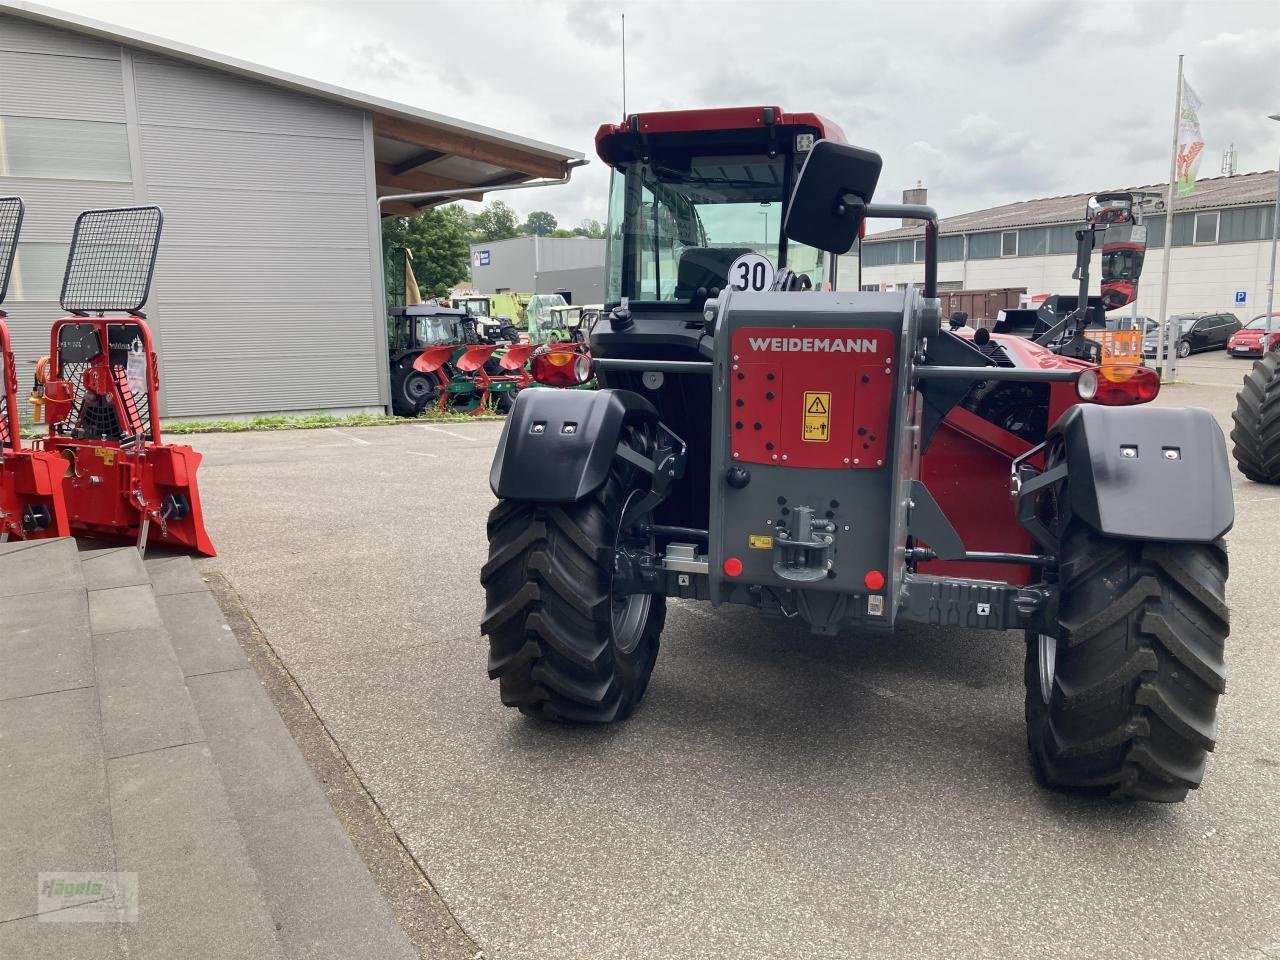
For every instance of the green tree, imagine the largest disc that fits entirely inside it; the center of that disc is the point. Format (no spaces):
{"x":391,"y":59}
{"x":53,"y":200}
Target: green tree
{"x":438,"y":239}
{"x":561,"y":234}
{"x":539,"y":224}
{"x":590,"y":228}
{"x":495,"y":221}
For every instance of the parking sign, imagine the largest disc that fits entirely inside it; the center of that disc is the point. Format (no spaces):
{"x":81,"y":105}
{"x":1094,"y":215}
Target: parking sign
{"x":1242,"y":296}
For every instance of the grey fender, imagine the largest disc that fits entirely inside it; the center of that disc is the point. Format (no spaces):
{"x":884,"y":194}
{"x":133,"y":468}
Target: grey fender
{"x":557,"y":445}
{"x":1147,"y":473}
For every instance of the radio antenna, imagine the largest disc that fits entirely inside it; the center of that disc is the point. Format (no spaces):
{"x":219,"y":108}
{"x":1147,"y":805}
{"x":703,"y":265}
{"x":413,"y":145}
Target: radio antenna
{"x":624,"y":66}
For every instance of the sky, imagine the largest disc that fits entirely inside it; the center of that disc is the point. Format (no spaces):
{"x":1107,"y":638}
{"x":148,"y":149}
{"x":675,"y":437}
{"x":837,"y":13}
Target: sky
{"x":983,"y":102}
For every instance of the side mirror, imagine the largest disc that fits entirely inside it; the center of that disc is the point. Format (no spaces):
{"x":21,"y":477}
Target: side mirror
{"x":827,"y":205}
{"x":1109,"y":208}
{"x":1124,"y":247}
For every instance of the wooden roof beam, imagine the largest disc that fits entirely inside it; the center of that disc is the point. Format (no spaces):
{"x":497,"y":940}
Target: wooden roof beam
{"x":464,"y":145}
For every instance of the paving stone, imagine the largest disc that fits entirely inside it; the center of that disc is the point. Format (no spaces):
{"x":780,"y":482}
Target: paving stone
{"x":30,"y":937}
{"x":198,"y":896}
{"x":174,"y":574}
{"x":144,"y":700}
{"x":112,"y":567}
{"x":315,"y":884}
{"x":53,"y":795}
{"x":37,"y":566}
{"x":201,"y":638}
{"x":44,"y":643}
{"x":123,"y":608}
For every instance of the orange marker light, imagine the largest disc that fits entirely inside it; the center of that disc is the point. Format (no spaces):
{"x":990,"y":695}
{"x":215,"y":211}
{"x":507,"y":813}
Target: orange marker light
{"x":874,"y":580}
{"x":733,"y":567}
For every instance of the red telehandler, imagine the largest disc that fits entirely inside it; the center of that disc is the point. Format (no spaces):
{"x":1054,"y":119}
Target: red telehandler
{"x":840,"y":459}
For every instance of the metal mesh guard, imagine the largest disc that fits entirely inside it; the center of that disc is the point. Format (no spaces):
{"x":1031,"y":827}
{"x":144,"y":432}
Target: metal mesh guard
{"x":11,"y":210}
{"x":112,"y":258}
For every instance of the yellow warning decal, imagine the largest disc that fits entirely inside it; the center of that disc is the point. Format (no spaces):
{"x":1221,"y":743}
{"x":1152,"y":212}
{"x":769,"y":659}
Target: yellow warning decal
{"x":759,"y":542}
{"x":817,"y":417}
{"x":106,"y":454}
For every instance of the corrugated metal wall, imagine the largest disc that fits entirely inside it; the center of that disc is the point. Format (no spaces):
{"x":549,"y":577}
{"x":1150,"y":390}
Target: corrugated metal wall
{"x":46,"y":75}
{"x":266,"y":292}
{"x":263,"y":288}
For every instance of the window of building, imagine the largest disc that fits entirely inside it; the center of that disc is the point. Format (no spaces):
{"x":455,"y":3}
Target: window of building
{"x":951,"y":249}
{"x":870,"y":288}
{"x":983,"y":246}
{"x":919,"y":251}
{"x":1009,"y":243}
{"x":40,"y":148}
{"x":1206,"y":229}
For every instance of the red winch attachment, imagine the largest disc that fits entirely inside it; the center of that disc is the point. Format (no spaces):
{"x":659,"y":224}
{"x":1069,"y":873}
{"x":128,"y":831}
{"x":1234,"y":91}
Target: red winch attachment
{"x":31,"y":505}
{"x":31,"y":500}
{"x":121,"y":479}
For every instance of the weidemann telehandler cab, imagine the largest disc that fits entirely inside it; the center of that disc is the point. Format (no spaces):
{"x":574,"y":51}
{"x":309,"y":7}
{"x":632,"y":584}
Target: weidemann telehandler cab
{"x":841,"y":458}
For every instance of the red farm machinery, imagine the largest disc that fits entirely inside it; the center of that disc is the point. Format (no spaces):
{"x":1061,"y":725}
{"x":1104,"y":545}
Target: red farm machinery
{"x":842,"y":460}
{"x":100,"y":394}
{"x":31,"y":501}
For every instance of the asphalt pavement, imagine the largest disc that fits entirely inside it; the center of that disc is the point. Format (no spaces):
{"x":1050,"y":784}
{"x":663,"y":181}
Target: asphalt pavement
{"x":777,"y":795}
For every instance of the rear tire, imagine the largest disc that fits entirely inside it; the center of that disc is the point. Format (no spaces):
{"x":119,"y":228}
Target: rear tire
{"x":1135,"y":670}
{"x":1256,"y":434}
{"x":560,"y":646}
{"x":1184,"y":349}
{"x":412,"y":391}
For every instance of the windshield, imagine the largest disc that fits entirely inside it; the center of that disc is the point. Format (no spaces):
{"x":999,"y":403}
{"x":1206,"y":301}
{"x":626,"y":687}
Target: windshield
{"x":676,"y":229}
{"x":1260,"y":322}
{"x":476,"y":308}
{"x":543,"y":319}
{"x":1124,"y":263}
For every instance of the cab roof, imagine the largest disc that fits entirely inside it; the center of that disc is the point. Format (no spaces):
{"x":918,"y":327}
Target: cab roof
{"x":616,"y":141}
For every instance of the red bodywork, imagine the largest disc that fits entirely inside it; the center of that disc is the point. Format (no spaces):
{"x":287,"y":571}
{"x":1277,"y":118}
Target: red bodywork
{"x":967,"y":469}
{"x":124,"y":479}
{"x":791,"y":392}
{"x":30,"y":480}
{"x":1250,"y":343}
{"x":720,"y":119}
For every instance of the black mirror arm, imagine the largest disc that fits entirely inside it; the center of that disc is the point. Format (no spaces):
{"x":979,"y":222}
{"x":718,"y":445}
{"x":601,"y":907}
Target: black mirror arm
{"x":908,"y":211}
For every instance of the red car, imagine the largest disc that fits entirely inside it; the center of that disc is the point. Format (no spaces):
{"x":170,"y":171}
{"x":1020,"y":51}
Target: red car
{"x":1247,"y":341}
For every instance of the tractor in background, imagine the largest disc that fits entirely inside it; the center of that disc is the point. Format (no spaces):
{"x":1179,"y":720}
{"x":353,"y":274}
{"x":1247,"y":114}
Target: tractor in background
{"x":840,"y":460}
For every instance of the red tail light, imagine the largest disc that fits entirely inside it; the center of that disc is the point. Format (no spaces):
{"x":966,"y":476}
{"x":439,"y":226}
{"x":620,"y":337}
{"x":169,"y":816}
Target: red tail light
{"x":565,"y":367}
{"x":1118,"y":384}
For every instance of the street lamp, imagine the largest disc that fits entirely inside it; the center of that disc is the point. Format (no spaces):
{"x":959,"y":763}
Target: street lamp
{"x":1275,"y":229}
{"x":765,"y":213}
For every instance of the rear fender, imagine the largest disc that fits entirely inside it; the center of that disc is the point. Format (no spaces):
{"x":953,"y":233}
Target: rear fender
{"x":557,"y":445}
{"x":1147,"y":473}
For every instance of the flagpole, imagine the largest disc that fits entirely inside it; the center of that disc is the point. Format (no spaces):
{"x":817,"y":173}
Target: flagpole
{"x":1168,"y":368}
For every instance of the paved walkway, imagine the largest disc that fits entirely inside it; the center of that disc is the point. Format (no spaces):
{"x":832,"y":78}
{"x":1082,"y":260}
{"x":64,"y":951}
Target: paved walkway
{"x":137,"y":745}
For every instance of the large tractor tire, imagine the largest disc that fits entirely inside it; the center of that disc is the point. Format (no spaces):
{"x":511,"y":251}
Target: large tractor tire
{"x":1256,"y":434}
{"x":411,"y":390}
{"x":1123,"y":700}
{"x":560,"y":645}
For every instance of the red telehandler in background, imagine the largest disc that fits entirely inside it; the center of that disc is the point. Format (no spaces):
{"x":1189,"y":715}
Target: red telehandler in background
{"x":31,"y":505}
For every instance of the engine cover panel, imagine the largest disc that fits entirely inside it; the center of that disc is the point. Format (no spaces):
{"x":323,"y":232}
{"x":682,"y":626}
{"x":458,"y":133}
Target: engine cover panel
{"x":812,"y":396}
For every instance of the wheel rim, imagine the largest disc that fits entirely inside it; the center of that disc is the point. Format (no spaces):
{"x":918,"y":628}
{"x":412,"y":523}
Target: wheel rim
{"x":1184,"y":349}
{"x":417,"y":388}
{"x":1048,"y":659}
{"x":628,"y":614}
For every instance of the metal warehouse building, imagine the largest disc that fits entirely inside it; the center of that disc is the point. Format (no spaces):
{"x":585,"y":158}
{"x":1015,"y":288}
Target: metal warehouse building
{"x":1221,"y":248}
{"x":570,"y":265}
{"x":268,"y":293}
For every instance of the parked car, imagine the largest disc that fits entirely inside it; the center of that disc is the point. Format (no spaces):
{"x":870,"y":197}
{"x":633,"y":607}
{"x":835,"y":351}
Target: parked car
{"x":1196,"y":332}
{"x":1248,"y":340}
